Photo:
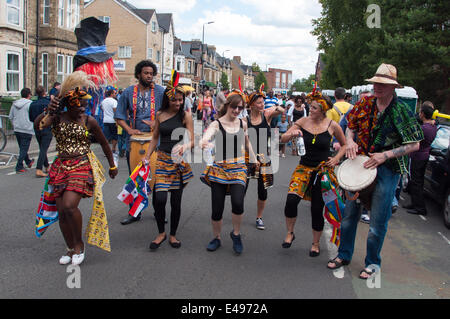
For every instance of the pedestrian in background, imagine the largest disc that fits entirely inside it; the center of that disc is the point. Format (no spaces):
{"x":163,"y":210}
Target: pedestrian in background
{"x":23,"y":128}
{"x":109,"y":106}
{"x":43,"y":137}
{"x":419,"y":162}
{"x":54,"y":91}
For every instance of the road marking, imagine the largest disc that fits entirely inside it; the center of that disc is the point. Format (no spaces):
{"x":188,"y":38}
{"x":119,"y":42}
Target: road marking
{"x":12,"y":173}
{"x":445,"y":238}
{"x":423,"y":217}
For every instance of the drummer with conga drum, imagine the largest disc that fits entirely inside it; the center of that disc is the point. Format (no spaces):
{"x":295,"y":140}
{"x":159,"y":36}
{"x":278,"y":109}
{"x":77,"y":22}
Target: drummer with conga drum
{"x":382,"y":128}
{"x":135,"y":113}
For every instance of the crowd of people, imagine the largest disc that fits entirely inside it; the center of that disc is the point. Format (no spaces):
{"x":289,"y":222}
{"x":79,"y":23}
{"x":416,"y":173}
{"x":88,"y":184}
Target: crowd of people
{"x":379,"y":126}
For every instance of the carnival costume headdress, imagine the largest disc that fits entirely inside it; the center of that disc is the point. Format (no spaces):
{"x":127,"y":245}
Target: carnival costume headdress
{"x":317,"y":96}
{"x":92,"y":57}
{"x":257,"y":94}
{"x":173,"y":86}
{"x":240,"y":92}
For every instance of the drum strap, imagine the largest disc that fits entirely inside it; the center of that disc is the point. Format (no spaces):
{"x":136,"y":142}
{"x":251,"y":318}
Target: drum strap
{"x":152,"y":103}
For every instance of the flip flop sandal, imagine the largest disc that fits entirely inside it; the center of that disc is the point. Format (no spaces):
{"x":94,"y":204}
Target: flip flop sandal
{"x":367,"y":272}
{"x":338,"y":264}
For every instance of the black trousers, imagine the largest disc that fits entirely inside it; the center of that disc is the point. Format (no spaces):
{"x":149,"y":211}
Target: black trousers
{"x":416,"y":184}
{"x":317,"y":205}
{"x":24,"y":141}
{"x":218,"y":193}
{"x":159,"y":204}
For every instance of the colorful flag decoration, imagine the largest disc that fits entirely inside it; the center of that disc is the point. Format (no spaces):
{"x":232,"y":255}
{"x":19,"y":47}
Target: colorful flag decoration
{"x":334,"y":207}
{"x":46,"y":214}
{"x":136,"y":190}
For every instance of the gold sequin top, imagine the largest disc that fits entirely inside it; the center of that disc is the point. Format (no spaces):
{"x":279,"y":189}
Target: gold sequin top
{"x":71,"y":138}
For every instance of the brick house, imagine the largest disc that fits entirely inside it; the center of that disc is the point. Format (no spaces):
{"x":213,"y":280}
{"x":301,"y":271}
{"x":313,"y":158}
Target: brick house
{"x":279,"y":80}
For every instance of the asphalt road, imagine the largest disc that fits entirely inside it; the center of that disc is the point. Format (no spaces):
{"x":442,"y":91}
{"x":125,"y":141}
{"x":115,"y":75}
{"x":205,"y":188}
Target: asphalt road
{"x":416,"y":252}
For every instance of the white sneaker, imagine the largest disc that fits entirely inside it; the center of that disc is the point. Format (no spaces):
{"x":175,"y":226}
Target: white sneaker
{"x":78,"y":259}
{"x":64,"y":260}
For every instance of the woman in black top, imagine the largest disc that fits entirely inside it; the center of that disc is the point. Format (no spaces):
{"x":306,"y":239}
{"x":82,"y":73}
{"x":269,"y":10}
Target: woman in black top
{"x":317,"y":131}
{"x":258,"y":123}
{"x":228,"y":174}
{"x":298,"y":111}
{"x":172,"y":173}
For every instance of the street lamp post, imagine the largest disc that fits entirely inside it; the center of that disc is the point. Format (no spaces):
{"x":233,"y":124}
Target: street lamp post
{"x":223,"y":54}
{"x":203,"y":42}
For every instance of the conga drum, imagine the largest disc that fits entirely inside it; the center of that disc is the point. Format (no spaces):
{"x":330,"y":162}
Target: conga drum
{"x":353,"y":177}
{"x":138,"y":149}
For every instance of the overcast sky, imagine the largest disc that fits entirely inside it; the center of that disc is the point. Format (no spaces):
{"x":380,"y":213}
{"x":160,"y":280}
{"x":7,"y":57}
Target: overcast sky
{"x":272,"y":33}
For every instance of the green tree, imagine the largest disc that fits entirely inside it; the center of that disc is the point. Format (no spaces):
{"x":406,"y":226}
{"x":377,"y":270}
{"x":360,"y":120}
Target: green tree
{"x":303,"y":85}
{"x":414,"y":36}
{"x":255,"y":67}
{"x":224,"y":81}
{"x":260,"y":79}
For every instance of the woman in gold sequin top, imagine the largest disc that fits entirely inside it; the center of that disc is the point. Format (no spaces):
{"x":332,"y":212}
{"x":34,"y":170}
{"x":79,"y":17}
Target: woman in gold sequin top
{"x":71,"y":175}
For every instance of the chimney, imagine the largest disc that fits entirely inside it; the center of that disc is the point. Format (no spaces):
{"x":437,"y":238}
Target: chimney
{"x":237,"y":59}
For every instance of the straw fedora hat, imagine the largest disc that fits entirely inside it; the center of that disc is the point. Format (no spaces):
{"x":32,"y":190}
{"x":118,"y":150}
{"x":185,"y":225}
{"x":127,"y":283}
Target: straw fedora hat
{"x":386,"y":74}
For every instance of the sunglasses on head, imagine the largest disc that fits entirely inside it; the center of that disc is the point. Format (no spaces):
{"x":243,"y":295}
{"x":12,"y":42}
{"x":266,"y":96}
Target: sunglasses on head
{"x":240,"y":107}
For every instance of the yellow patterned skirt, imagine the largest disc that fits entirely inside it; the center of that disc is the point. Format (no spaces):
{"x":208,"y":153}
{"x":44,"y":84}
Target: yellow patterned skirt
{"x":301,"y":182}
{"x":170,"y":175}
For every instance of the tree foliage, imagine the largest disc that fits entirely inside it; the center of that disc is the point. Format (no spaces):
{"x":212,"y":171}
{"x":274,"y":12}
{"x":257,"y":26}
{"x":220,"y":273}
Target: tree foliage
{"x":414,"y":35}
{"x":303,"y":85}
{"x":224,"y":81}
{"x":260,"y":79}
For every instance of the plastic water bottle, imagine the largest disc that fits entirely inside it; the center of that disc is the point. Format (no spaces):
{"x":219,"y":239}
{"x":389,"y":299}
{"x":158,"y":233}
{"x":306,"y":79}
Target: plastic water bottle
{"x":116,"y":159}
{"x":301,"y":146}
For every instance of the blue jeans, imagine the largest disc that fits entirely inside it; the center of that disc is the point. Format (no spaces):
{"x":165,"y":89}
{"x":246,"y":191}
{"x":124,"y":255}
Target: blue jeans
{"x":44,"y":139}
{"x":380,"y":214}
{"x":24,"y":141}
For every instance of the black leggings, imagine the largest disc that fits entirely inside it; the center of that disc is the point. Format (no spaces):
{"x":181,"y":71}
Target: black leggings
{"x":262,"y":192}
{"x":218,"y":192}
{"x":159,"y":204}
{"x":317,"y":205}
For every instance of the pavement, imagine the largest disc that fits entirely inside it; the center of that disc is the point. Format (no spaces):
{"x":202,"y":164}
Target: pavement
{"x":415,"y":255}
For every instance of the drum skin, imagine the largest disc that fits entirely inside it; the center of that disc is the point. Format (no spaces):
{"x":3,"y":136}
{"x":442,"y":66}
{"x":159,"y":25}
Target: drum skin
{"x":138,"y":149}
{"x":353,"y":177}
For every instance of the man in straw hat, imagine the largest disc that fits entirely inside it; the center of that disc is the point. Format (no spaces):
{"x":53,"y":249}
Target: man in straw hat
{"x":382,"y":128}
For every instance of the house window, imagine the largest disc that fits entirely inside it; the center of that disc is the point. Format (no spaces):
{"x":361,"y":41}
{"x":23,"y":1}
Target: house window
{"x":60,"y":68}
{"x":158,"y":56}
{"x":277,"y":80}
{"x":283,"y":81}
{"x":189,"y":67}
{"x":105,"y":19}
{"x":45,"y":71}
{"x":12,"y":72}
{"x":69,"y":13}
{"x":61,"y":13}
{"x":124,"y":52}
{"x":13,"y":11}
{"x":153,"y":26}
{"x":289,"y":80}
{"x":46,"y":13}
{"x":150,"y":54}
{"x":76,"y":13}
{"x":69,"y":64}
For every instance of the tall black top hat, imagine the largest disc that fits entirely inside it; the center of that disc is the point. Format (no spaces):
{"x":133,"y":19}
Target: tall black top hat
{"x":91,"y":37}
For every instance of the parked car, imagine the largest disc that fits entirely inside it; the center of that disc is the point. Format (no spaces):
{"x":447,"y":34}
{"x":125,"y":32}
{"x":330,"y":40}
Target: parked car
{"x":437,"y":174}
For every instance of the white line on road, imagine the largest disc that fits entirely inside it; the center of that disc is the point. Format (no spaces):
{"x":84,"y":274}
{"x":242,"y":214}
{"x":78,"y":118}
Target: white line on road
{"x":423,"y":217}
{"x":445,"y":238}
{"x":12,"y":173}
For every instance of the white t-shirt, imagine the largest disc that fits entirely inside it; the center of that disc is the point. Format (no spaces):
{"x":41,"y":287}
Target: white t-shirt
{"x":109,"y":105}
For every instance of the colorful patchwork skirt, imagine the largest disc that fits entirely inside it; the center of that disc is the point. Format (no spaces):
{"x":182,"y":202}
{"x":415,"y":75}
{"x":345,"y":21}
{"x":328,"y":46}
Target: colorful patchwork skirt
{"x":301,"y":180}
{"x":226,"y":172}
{"x":170,"y":175}
{"x":73,"y":174}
